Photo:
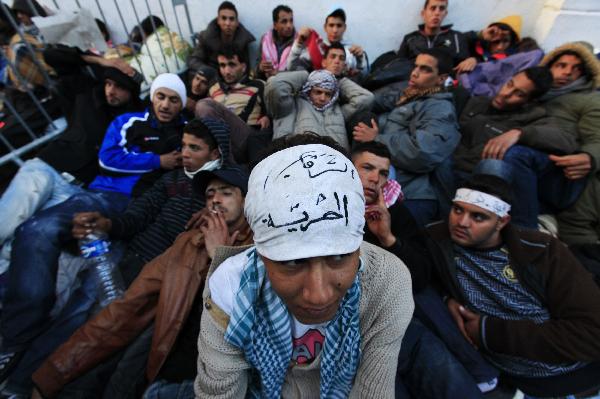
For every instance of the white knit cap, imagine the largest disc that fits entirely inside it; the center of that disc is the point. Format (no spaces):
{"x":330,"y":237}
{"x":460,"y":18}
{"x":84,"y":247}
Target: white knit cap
{"x":305,"y":201}
{"x":169,"y":81}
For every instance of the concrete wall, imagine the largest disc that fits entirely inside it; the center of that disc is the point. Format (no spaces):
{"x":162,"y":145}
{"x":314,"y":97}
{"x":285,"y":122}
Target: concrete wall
{"x":377,"y":25}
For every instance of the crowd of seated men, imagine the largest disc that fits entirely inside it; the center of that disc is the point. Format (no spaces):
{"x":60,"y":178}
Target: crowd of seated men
{"x":309,"y":223}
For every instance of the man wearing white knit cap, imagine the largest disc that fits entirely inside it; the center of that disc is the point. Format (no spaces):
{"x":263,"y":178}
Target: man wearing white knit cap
{"x":136,"y":150}
{"x":310,"y":310}
{"x":519,"y":296}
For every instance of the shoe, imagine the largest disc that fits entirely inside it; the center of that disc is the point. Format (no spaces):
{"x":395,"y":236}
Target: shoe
{"x":8,"y":361}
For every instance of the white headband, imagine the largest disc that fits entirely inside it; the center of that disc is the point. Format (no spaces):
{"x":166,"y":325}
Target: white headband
{"x":169,"y":81}
{"x":305,"y":201}
{"x":482,"y":200}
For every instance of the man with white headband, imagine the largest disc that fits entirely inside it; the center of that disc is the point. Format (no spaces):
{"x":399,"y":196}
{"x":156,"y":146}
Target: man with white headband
{"x":310,"y":308}
{"x":519,"y":296}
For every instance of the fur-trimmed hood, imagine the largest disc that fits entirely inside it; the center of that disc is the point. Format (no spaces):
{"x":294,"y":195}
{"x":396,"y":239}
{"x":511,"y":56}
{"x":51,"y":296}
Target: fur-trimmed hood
{"x":592,"y":65}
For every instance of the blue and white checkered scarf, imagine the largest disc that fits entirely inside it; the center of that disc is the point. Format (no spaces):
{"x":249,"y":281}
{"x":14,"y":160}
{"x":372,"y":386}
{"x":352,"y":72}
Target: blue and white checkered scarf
{"x":260,"y":325}
{"x":324,"y":79}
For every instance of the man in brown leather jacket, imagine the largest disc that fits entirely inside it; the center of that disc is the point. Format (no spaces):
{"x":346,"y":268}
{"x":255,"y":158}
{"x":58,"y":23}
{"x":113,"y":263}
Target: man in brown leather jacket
{"x":165,"y":295}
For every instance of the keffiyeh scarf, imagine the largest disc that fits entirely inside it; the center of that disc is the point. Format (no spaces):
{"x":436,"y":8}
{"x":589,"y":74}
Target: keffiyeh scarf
{"x":325,"y":80}
{"x":260,"y":325}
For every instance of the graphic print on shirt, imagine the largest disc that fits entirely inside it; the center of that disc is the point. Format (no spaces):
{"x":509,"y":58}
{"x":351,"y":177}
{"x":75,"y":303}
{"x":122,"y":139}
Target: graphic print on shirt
{"x":308,"y":346}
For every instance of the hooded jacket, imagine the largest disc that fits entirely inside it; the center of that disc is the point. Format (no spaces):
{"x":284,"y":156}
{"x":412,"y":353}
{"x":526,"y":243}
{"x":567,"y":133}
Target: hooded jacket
{"x":448,"y":39}
{"x":209,"y":43}
{"x":579,"y":111}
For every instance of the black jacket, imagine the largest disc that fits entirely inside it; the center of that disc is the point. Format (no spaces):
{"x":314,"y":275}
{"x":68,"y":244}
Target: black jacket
{"x":455,"y":42}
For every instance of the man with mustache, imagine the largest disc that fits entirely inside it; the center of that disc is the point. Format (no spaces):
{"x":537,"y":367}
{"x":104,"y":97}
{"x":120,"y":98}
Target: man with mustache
{"x":519,"y":296}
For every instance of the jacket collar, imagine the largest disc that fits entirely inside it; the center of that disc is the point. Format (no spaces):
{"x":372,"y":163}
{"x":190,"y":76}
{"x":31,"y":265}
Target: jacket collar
{"x":443,"y":29}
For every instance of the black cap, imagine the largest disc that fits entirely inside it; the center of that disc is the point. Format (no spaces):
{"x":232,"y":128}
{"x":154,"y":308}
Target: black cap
{"x":126,"y":82}
{"x":231,"y":175}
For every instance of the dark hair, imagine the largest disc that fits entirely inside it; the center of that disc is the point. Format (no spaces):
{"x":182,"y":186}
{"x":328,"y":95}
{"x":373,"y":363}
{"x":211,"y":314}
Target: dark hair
{"x":527,"y":44}
{"x":229,"y":51}
{"x":427,"y":3}
{"x":337,"y":13}
{"x":7,"y":31}
{"x":573,"y":53}
{"x":444,"y":60}
{"x":292,"y":140}
{"x":514,"y":38}
{"x":146,"y":27}
{"x":374,"y":147}
{"x":541,"y":78}
{"x":278,"y":9}
{"x":335,"y":45}
{"x":102,"y":26}
{"x":493,"y":185}
{"x":197,"y":128}
{"x":227,"y":5}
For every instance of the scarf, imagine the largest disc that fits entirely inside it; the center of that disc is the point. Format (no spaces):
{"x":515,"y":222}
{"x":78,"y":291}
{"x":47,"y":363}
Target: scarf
{"x":559,"y":91}
{"x":325,"y":80}
{"x":210,"y":165}
{"x":260,"y":325}
{"x":392,"y":192}
{"x":409,"y":94}
{"x":269,"y":52}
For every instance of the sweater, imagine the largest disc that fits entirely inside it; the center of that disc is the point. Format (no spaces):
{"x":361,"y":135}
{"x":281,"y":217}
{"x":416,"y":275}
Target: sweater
{"x":386,"y":307}
{"x":153,"y":220}
{"x":545,"y":268}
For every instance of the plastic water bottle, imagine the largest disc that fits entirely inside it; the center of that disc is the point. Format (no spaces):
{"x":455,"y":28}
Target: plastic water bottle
{"x":96,"y":247}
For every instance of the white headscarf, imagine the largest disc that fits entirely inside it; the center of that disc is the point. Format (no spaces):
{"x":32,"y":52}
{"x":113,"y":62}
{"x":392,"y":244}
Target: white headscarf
{"x":305,"y":201}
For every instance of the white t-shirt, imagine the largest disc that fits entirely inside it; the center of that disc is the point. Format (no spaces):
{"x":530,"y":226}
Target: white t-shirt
{"x":307,"y":339}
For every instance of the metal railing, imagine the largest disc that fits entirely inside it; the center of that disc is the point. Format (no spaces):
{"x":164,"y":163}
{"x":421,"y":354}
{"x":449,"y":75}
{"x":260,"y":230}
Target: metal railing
{"x":30,"y":138}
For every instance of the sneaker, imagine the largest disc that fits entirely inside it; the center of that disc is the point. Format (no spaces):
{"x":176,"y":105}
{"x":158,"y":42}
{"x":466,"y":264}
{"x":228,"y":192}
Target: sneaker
{"x":8,"y":361}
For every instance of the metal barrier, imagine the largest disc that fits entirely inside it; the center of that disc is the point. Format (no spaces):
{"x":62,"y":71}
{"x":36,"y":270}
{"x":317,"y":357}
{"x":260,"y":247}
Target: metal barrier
{"x":14,"y":152}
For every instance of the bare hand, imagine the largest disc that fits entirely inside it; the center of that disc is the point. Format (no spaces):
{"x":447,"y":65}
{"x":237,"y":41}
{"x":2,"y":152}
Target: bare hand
{"x":471,"y":321}
{"x":86,"y":222}
{"x":364,"y":133}
{"x":121,"y":65}
{"x":379,"y":222}
{"x":356,"y":50}
{"x":170,"y":160}
{"x":190,"y":104}
{"x":303,"y":34}
{"x":454,"y":309}
{"x":466,"y":65}
{"x":216,"y":233}
{"x":574,"y":166}
{"x":491,"y":33}
{"x":496,"y":148}
{"x":267,"y":68}
{"x":264,"y":122}
{"x":196,"y":220}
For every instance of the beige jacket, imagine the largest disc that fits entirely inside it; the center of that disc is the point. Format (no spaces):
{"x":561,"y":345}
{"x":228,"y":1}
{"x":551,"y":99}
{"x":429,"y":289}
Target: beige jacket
{"x":386,"y":307}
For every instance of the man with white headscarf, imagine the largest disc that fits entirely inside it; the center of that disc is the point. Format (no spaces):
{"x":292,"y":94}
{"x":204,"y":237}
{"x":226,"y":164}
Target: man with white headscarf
{"x":310,"y":307}
{"x":318,"y":103}
{"x":519,"y":296}
{"x":137,"y":149}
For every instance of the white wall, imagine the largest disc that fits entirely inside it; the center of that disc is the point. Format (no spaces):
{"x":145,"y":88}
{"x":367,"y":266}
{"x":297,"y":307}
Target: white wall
{"x":377,"y":25}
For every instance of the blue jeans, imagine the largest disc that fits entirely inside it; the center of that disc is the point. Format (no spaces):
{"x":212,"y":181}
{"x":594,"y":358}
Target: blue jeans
{"x":424,"y":211}
{"x":427,"y":369}
{"x":538,"y":184}
{"x":164,"y":390}
{"x":30,"y":292}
